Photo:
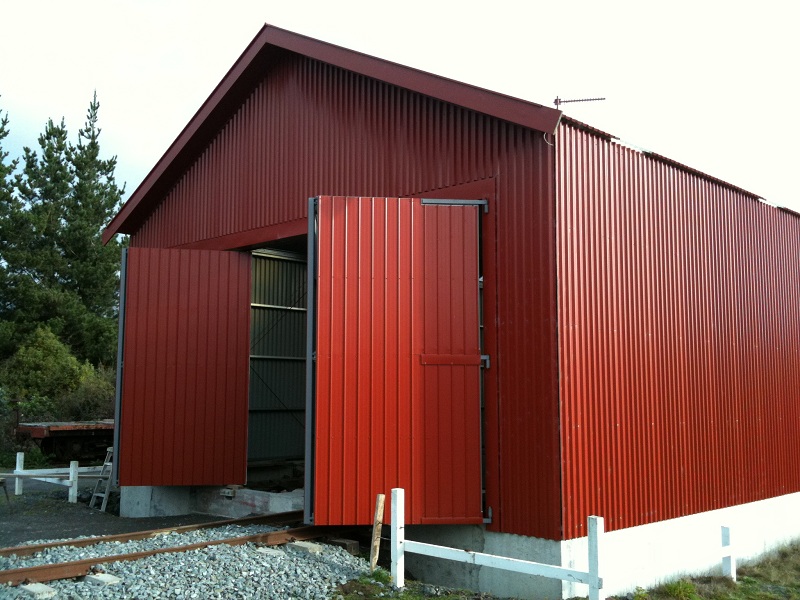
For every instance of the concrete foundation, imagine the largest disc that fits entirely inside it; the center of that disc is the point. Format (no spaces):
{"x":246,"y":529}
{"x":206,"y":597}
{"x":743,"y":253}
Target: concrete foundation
{"x":483,"y":579}
{"x":642,"y":556}
{"x":147,"y":501}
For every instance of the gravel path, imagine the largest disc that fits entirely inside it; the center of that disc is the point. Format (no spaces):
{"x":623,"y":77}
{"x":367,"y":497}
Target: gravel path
{"x":219,"y":571}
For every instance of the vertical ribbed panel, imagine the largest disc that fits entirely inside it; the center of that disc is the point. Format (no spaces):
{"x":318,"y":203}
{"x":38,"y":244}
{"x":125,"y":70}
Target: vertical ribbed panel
{"x":184,"y":389}
{"x":276,"y":422}
{"x":527,"y":376}
{"x":398,"y":360}
{"x":679,"y":343}
{"x":310,"y":128}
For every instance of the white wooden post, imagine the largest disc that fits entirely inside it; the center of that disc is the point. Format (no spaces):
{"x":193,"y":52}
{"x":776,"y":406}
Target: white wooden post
{"x":398,"y":532}
{"x":19,"y":469}
{"x":728,"y":557}
{"x":73,"y":480}
{"x":596,"y":529}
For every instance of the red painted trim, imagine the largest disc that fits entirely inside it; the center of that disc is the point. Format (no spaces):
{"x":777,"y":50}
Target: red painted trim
{"x":252,"y":238}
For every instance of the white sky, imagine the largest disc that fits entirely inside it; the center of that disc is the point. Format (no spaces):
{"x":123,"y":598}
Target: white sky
{"x":710,"y":84}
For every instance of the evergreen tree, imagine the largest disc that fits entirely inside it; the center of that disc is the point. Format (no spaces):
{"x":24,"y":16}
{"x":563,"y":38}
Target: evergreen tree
{"x":54,"y":270}
{"x":10,"y":209}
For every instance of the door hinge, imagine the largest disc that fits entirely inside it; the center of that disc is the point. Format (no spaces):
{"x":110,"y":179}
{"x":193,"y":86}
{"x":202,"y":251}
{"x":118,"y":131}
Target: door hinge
{"x":485,"y":361}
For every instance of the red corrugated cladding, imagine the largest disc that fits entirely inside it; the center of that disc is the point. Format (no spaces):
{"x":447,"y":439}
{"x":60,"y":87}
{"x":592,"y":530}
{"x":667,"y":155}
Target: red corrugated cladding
{"x":398,"y":360}
{"x":679,"y":338}
{"x":186,"y":348}
{"x":309,"y":128}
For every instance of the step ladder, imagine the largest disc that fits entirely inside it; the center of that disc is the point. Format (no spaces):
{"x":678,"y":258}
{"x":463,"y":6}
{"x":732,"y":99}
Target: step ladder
{"x":103,"y":485}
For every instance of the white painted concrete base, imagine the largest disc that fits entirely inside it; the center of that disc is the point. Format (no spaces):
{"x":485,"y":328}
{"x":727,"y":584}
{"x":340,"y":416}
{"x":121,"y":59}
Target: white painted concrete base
{"x":642,"y":556}
{"x":651,"y":554}
{"x":147,"y":501}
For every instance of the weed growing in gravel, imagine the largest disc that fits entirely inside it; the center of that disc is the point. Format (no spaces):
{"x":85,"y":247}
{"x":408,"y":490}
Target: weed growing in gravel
{"x":683,"y":589}
{"x":378,"y":585}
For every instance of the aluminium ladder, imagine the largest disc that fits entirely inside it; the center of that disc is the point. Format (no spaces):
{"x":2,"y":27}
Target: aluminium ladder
{"x":103,"y":485}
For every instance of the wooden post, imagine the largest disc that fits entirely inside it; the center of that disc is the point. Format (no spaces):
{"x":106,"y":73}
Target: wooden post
{"x":728,"y":557}
{"x":398,"y":530}
{"x":377,"y":526}
{"x":19,"y":469}
{"x":596,"y":528}
{"x":73,"y":480}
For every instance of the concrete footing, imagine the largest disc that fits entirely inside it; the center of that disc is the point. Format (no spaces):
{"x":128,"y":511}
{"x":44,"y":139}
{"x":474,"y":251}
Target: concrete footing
{"x":643,"y":556}
{"x":151,"y":501}
{"x":503,"y":584}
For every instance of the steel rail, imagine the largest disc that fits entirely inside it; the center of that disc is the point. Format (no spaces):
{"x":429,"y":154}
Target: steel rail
{"x":79,"y":568}
{"x":277,"y":519}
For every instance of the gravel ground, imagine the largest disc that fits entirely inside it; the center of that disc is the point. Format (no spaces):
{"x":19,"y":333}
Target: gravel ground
{"x":43,"y":512}
{"x":219,"y":571}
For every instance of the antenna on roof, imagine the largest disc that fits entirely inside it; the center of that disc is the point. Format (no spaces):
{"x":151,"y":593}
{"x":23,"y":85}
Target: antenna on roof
{"x":558,"y":101}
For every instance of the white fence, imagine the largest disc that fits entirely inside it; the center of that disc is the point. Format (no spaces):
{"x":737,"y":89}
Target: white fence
{"x":400,"y":546}
{"x":66,"y":477}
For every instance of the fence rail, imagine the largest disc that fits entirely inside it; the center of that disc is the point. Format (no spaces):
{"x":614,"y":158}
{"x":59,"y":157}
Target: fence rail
{"x":68,"y":477}
{"x":400,"y":546}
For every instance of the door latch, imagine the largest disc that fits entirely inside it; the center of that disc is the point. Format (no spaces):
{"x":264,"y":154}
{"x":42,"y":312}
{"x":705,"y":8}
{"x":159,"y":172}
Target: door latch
{"x":485,"y":361}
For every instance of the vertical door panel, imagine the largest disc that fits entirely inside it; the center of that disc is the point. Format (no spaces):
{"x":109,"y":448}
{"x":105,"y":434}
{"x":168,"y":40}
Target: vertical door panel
{"x":397,"y":371}
{"x":186,"y":340}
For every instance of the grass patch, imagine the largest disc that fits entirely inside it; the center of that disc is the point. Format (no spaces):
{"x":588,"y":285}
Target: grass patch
{"x":379,"y":585}
{"x":774,"y":577}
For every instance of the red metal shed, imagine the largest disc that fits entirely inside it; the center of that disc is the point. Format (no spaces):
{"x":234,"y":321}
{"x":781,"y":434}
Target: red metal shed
{"x":630,"y":308}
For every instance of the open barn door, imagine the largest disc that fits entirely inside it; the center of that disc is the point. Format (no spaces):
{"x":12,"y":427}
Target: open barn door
{"x":393,"y":378}
{"x":185,"y":342}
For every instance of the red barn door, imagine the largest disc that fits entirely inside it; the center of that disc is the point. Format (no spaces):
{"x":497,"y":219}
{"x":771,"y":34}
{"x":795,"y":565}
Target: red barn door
{"x":394,"y":372}
{"x":182,"y":410}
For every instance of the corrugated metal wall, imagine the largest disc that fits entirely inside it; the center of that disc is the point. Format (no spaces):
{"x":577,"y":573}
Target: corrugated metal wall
{"x":398,"y":360}
{"x":276,"y":423}
{"x":679,"y":343}
{"x":184,"y":389}
{"x":311,"y":129}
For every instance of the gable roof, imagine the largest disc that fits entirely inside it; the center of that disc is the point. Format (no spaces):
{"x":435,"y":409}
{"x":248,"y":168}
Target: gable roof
{"x":266,"y":49}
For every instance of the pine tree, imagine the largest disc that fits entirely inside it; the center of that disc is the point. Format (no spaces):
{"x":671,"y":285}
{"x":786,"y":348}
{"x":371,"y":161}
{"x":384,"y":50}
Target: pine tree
{"x":92,"y":269}
{"x":10,"y":210}
{"x":55,"y":270}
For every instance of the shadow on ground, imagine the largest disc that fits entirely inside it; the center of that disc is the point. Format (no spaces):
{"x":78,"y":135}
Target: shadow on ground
{"x":42,"y":512}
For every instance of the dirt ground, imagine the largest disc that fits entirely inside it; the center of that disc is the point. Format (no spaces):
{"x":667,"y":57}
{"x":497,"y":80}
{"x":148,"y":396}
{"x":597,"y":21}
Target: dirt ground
{"x":42,"y":512}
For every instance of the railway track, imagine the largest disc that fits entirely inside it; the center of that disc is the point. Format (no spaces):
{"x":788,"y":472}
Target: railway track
{"x":79,"y":568}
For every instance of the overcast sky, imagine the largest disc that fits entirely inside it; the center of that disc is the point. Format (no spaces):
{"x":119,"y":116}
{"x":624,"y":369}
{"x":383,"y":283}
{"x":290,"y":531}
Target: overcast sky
{"x":710,"y":84}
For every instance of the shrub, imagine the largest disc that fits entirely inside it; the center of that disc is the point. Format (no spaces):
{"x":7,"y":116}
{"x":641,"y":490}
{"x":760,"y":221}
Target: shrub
{"x":39,"y":372}
{"x":92,"y":399}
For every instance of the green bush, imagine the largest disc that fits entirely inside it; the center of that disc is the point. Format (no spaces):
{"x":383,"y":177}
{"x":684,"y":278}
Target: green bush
{"x":41,"y":371}
{"x":43,"y":381}
{"x":92,"y":399}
